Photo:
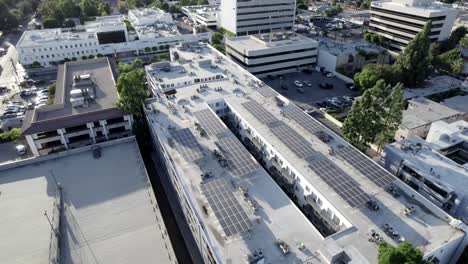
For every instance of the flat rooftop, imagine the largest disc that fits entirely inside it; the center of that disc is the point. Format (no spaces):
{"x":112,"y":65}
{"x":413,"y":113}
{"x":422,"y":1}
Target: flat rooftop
{"x":426,"y":8}
{"x":109,"y":213}
{"x":425,"y":158}
{"x":436,"y":85}
{"x":423,"y":111}
{"x":457,"y":103}
{"x":61,"y":113}
{"x":266,"y":41}
{"x":427,"y":229}
{"x":343,"y":49}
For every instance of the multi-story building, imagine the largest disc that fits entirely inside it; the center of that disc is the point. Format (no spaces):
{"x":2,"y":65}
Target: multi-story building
{"x":245,"y":161}
{"x":257,"y":16}
{"x":83,"y":112}
{"x":436,"y":167}
{"x":273,"y":53}
{"x":108,"y":35}
{"x":87,"y":205}
{"x":398,"y":21}
{"x":205,"y":15}
{"x":420,"y":114}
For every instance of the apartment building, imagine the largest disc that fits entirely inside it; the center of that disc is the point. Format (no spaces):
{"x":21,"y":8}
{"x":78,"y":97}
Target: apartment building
{"x":83,"y":111}
{"x":273,"y":53}
{"x":244,"y":161}
{"x":105,"y":36}
{"x":398,"y":21}
{"x":436,"y":167}
{"x":242,"y":17}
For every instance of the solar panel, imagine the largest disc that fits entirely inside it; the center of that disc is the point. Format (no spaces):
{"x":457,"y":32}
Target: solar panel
{"x":259,"y":112}
{"x":364,"y":165}
{"x":210,"y":122}
{"x":241,"y":162}
{"x":230,"y":214}
{"x":295,"y":142}
{"x":303,"y":119}
{"x":187,"y":145}
{"x":345,"y":186}
{"x":266,"y":91}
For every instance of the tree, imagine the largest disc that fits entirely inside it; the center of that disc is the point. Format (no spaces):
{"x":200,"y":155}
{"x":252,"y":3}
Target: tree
{"x":89,"y":8}
{"x":371,"y":73}
{"x":217,"y":38}
{"x":375,"y":39}
{"x":69,"y":23}
{"x":413,"y":62}
{"x":13,"y":135}
{"x":8,"y":21}
{"x":404,"y":253}
{"x":69,"y":9}
{"x":132,"y":92}
{"x":218,"y":47}
{"x":104,"y":9}
{"x":449,"y":62}
{"x":368,"y":36}
{"x":154,"y":48}
{"x":392,"y":116}
{"x":301,"y":5}
{"x":50,"y":23}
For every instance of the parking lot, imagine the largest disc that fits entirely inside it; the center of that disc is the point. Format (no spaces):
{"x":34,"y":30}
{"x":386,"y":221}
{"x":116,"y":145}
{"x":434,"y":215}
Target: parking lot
{"x":307,"y":96}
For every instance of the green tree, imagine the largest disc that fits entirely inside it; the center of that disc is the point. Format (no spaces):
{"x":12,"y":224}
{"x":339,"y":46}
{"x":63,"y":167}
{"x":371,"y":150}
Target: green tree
{"x":68,"y":23}
{"x":13,"y":135}
{"x":89,"y":8}
{"x":391,"y":116}
{"x":368,"y":36}
{"x":69,"y":9}
{"x":8,"y":21}
{"x":50,"y":23}
{"x":51,"y":9}
{"x":449,"y":62}
{"x":217,"y":38}
{"x":413,"y":62}
{"x":404,"y":253}
{"x":371,"y":73}
{"x":104,"y":9}
{"x":132,"y":92}
{"x":464,"y":42}
{"x":301,"y":5}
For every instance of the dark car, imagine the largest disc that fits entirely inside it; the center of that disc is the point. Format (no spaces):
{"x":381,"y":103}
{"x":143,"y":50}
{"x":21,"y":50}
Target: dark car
{"x":326,"y":85}
{"x":284,"y":87}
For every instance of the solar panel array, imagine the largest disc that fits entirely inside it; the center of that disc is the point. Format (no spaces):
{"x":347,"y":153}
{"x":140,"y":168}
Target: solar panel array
{"x":303,"y":119}
{"x":259,"y":112}
{"x":187,"y":145}
{"x":367,"y":167}
{"x":210,"y":122}
{"x":266,"y":91}
{"x":295,"y":142}
{"x":241,"y":162}
{"x":230,"y":214}
{"x":345,"y":186}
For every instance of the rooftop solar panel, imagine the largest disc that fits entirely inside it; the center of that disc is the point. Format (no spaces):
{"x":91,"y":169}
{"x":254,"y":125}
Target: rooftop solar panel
{"x":230,"y":214}
{"x":266,"y":91}
{"x":210,"y":122}
{"x":345,"y":186}
{"x":303,"y":119}
{"x":295,"y":142}
{"x":187,"y":145}
{"x":367,"y":167}
{"x":241,"y":162}
{"x":259,"y":112}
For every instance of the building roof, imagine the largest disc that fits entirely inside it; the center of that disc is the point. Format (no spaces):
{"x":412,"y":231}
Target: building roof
{"x":428,"y":159}
{"x":193,"y":158}
{"x":457,"y":103}
{"x":436,"y":85}
{"x":422,"y":111}
{"x":61,"y":113}
{"x":442,"y":135}
{"x":267,"y":41}
{"x":108,"y":211}
{"x":344,"y":49}
{"x":427,"y":8}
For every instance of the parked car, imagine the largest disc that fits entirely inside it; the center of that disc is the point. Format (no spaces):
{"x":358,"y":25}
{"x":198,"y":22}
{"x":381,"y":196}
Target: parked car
{"x":298,"y":83}
{"x":300,"y":90}
{"x":326,"y":85}
{"x":331,"y":74}
{"x":21,"y":149}
{"x":308,"y":83}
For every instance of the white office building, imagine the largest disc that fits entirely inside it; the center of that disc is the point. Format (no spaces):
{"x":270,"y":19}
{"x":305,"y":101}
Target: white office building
{"x":398,"y":21}
{"x":205,"y":15}
{"x":260,"y":181}
{"x":275,"y":53}
{"x":436,"y":167}
{"x":257,"y":16}
{"x":104,"y":36}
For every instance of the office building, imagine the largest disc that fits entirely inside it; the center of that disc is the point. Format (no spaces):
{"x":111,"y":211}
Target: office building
{"x":260,"y":181}
{"x":205,"y":15}
{"x":398,"y":21}
{"x":75,"y":207}
{"x":273,"y":53}
{"x":83,"y":111}
{"x":257,"y":16}
{"x":107,"y":35}
{"x":436,"y":167}
{"x":420,"y":114}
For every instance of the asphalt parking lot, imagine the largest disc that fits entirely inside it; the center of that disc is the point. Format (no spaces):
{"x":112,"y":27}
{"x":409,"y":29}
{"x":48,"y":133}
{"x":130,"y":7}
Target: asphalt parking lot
{"x":312,"y":94}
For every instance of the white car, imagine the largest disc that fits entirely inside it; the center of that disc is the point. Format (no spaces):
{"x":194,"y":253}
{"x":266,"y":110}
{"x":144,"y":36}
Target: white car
{"x":298,"y":83}
{"x":308,"y":83}
{"x":331,"y":74}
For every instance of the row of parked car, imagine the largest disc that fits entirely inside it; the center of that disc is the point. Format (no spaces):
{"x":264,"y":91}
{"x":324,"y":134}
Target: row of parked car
{"x":336,"y":103}
{"x":13,"y":110}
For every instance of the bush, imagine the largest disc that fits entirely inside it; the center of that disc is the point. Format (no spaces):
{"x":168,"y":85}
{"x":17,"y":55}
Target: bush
{"x":36,"y":64}
{"x":91,"y":57}
{"x":84,"y":57}
{"x":154,"y":48}
{"x":73,"y":59}
{"x":99,"y":55}
{"x":51,"y":23}
{"x":13,"y":135}
{"x":68,"y":23}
